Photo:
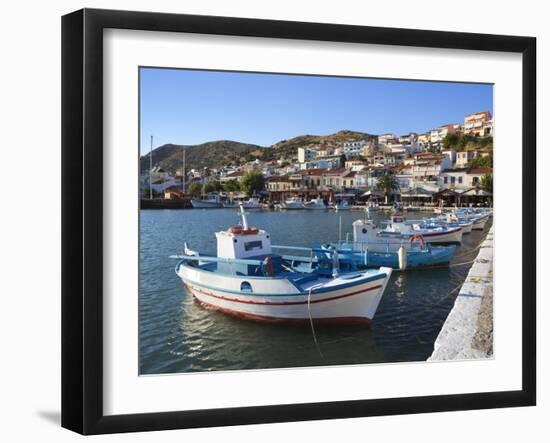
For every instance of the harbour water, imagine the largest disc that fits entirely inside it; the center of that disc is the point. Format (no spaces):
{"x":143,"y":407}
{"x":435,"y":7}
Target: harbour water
{"x":178,"y":335}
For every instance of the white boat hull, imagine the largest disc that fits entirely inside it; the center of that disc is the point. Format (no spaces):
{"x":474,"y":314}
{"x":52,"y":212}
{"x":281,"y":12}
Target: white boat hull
{"x":454,"y":236}
{"x":335,"y":302}
{"x":292,"y":206}
{"x":479,"y":224}
{"x":205,"y":204}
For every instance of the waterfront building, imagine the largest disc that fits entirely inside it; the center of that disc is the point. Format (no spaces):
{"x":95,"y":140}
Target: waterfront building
{"x":462,"y":179}
{"x":479,"y":124}
{"x":306,"y":154}
{"x":428,"y":167}
{"x":384,"y":139}
{"x":437,"y":135}
{"x":355,"y":164}
{"x":354,"y":149}
{"x":466,"y":156}
{"x":237,"y":175}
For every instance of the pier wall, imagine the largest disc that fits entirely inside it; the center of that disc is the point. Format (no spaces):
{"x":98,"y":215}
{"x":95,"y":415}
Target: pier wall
{"x":468,"y":331}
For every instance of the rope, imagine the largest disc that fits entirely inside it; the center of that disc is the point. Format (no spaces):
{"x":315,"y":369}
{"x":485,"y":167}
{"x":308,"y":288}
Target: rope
{"x":311,"y":324}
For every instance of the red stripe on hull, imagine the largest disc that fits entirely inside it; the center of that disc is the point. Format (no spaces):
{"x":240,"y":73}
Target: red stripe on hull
{"x":280,"y":303}
{"x":348,"y":321}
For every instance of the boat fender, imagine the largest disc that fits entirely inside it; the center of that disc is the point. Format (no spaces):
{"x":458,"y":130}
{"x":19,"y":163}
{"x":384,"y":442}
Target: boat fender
{"x":402,"y":258}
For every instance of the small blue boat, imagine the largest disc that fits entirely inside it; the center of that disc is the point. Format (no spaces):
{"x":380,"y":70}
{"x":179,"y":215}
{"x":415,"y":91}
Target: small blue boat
{"x":416,"y":257}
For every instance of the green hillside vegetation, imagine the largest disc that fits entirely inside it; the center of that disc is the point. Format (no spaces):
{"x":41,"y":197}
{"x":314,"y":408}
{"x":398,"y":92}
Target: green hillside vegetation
{"x":463,"y":142}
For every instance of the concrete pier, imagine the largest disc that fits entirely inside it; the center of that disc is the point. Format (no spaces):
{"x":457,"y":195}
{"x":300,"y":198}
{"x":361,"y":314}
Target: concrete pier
{"x":468,"y":331}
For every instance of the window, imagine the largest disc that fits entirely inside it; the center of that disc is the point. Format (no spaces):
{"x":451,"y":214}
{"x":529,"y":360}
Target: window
{"x":453,"y":178}
{"x":445,"y":179}
{"x":475,"y":180}
{"x":252,"y":245}
{"x":460,"y":180}
{"x":246,"y":287}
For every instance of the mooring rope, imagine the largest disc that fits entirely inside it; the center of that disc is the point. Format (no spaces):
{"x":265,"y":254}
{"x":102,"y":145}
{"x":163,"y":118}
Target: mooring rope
{"x":311,"y":324}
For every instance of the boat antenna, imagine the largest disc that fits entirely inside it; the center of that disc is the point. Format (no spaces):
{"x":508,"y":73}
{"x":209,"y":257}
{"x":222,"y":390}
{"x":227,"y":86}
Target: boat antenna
{"x":243,"y":216}
{"x":151,"y":170}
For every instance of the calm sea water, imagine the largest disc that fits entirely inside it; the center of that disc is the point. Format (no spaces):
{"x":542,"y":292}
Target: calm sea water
{"x":178,"y":335}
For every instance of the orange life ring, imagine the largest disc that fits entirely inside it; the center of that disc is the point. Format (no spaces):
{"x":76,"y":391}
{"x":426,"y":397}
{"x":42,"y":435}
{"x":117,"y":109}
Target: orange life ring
{"x":418,"y":238}
{"x":240,"y":230}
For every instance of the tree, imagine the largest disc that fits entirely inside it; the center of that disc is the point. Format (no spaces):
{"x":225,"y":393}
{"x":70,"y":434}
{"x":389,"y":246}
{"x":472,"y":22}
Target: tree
{"x":211,"y":186}
{"x":252,"y":182}
{"x":231,"y":186}
{"x":450,"y":141}
{"x":486,"y":182}
{"x":387,"y":183}
{"x":195,"y":189}
{"x":481,"y":161}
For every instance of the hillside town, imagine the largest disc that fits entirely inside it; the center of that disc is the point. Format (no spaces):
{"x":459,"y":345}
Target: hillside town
{"x":448,"y":165}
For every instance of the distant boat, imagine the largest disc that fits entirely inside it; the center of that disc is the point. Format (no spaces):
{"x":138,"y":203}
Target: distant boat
{"x":398,"y":229}
{"x":293,"y":203}
{"x":342,"y":206}
{"x":247,"y":280}
{"x":208,"y":203}
{"x":252,"y":203}
{"x":316,"y":203}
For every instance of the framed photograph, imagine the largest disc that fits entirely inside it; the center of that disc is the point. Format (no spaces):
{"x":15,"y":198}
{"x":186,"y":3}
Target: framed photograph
{"x":269,"y":221}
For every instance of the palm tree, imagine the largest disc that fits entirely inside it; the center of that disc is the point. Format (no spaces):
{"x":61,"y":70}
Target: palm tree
{"x":486,"y":182}
{"x":387,"y":183}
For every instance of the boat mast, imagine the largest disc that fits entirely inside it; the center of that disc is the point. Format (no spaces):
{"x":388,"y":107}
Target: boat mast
{"x":151,"y":170}
{"x":183,"y":171}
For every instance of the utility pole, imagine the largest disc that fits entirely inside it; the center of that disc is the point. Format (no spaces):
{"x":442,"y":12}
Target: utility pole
{"x":151,"y":170}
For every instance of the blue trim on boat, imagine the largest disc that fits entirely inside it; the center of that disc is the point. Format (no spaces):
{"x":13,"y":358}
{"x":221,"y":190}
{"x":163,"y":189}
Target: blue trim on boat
{"x":285,"y":294}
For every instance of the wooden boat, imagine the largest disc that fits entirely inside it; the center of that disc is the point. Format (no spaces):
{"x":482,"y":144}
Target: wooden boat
{"x":247,"y":280}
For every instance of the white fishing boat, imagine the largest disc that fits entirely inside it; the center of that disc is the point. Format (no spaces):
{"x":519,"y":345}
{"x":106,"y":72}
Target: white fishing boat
{"x":252,"y":203}
{"x":396,"y":227}
{"x":206,"y":203}
{"x":316,"y":203}
{"x":247,"y":280}
{"x":342,"y":205}
{"x":293,"y":203}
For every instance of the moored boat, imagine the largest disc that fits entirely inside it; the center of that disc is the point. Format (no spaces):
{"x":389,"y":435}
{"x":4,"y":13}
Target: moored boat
{"x":316,"y":203}
{"x":206,"y":203}
{"x":293,"y":203}
{"x":343,"y":205}
{"x":247,"y":280}
{"x":398,"y":229}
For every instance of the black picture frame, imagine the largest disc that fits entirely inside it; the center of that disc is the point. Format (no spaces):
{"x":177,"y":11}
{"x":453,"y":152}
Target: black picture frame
{"x":82,"y":215}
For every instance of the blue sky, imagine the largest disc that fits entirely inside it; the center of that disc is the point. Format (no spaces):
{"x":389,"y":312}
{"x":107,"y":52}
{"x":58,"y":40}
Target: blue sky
{"x":191,"y":107}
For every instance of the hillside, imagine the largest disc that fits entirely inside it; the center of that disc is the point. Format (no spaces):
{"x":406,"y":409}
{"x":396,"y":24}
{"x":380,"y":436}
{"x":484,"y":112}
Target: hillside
{"x":218,"y":153}
{"x":288,"y":148}
{"x":211,"y":155}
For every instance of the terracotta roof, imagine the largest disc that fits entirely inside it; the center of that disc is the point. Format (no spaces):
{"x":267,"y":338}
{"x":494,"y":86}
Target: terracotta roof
{"x":277,"y":178}
{"x":316,"y":171}
{"x":481,"y":170}
{"x":338,"y":171}
{"x":236,"y":174}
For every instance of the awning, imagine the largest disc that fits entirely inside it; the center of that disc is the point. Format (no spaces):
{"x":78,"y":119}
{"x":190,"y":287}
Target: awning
{"x":374,"y":194}
{"x":417,"y":193}
{"x":476,"y":192}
